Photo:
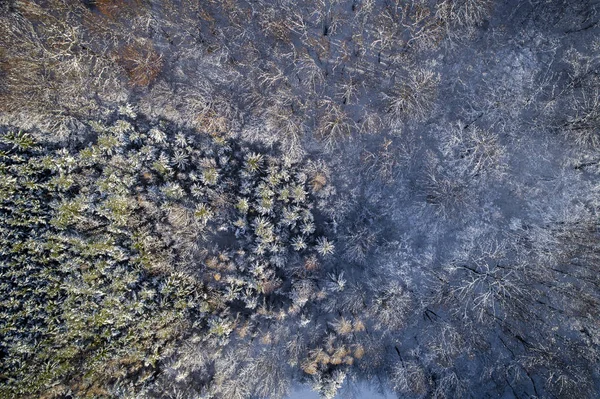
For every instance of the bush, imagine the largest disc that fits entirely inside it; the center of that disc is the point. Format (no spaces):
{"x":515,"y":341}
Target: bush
{"x":141,"y":62}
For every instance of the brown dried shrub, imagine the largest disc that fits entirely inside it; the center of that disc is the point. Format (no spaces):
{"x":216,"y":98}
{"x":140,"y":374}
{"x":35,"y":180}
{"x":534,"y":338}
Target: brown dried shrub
{"x":141,"y":62}
{"x":119,"y":10}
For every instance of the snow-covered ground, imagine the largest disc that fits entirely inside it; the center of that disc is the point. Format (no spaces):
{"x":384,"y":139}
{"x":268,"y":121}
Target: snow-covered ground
{"x":348,"y":391}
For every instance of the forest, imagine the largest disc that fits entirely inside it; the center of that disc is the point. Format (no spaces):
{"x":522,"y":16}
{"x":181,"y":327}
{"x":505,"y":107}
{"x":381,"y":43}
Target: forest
{"x":231,"y":199}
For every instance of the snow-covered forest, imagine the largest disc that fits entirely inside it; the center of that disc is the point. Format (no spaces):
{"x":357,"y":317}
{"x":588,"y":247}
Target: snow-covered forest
{"x":227,"y":199}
